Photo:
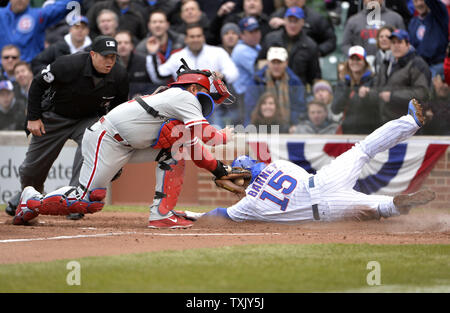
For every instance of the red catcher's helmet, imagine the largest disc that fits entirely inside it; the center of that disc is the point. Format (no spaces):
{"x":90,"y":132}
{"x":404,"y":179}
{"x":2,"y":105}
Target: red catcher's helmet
{"x":193,"y":77}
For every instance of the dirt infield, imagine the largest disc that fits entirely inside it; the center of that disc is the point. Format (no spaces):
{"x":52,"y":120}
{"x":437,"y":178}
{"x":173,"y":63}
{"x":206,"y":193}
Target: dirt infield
{"x":106,"y":233}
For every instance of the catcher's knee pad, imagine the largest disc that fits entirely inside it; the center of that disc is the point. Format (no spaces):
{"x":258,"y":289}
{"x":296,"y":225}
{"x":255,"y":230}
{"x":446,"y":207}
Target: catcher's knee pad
{"x":66,"y":200}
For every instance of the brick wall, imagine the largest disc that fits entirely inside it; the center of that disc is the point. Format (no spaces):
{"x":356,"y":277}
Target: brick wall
{"x":439,"y":181}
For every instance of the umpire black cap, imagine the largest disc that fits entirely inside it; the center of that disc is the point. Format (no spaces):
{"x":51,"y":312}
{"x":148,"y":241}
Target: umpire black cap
{"x":104,"y":45}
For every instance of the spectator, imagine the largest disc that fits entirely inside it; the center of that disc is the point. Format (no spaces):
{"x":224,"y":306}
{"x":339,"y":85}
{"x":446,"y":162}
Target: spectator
{"x":107,"y":23}
{"x":190,"y":13}
{"x":358,"y":32}
{"x":197,"y":54}
{"x":244,"y":56}
{"x":24,"y":77}
{"x":147,"y":7}
{"x":12,"y":110}
{"x":403,"y":7}
{"x":226,"y":15}
{"x":407,"y":76}
{"x":230,"y":34}
{"x":135,"y":64}
{"x":303,"y":51}
{"x":129,"y":16}
{"x":10,"y":57}
{"x":25,"y":27}
{"x":317,"y":122}
{"x":276,"y":77}
{"x":428,"y":32}
{"x":447,"y":65}
{"x":360,"y":115}
{"x":438,"y":112}
{"x":268,"y":113}
{"x":323,"y":92}
{"x":159,"y":27}
{"x":316,"y":26}
{"x":383,"y":54}
{"x":75,"y":41}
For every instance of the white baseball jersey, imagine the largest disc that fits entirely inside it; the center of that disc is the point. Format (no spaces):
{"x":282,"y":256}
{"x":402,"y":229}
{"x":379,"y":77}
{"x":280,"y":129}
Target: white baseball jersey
{"x":126,"y":133}
{"x":140,"y":129}
{"x":210,"y":57}
{"x":285,"y":192}
{"x":279,"y":193}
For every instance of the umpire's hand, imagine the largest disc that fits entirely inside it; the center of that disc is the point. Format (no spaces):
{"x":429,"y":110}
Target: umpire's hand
{"x":36,"y":127}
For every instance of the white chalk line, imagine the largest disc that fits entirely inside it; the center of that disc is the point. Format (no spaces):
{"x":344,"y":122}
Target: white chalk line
{"x":134,"y":233}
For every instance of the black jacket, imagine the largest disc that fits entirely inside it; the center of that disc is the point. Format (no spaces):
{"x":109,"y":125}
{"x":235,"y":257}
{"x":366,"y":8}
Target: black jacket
{"x":361,"y":115}
{"x":303,"y":53}
{"x":49,"y":55}
{"x":317,"y":27}
{"x":140,"y":82}
{"x":67,"y":87}
{"x":132,"y":20}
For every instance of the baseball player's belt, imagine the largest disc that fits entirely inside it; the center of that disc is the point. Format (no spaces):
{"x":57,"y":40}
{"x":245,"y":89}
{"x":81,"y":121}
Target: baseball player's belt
{"x":315,"y":207}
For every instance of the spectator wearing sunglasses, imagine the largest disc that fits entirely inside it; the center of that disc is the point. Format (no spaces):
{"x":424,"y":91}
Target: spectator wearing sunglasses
{"x":10,"y":57}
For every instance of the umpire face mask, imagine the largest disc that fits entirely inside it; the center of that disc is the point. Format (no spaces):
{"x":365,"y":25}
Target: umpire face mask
{"x":207,"y":103}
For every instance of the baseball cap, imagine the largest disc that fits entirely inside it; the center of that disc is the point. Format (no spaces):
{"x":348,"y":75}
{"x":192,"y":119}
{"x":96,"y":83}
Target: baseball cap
{"x":357,"y":50}
{"x":248,"y":23}
{"x":295,"y":12}
{"x":104,"y":45}
{"x":400,"y":34}
{"x":6,"y":85}
{"x":277,"y":53}
{"x":78,"y":19}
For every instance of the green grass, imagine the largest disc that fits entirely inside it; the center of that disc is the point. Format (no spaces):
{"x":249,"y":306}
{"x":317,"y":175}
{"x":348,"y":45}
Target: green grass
{"x":252,"y":268}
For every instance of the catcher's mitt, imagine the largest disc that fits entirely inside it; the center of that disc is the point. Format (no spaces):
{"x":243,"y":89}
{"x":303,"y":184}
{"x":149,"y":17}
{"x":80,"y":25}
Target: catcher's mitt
{"x":235,"y":181}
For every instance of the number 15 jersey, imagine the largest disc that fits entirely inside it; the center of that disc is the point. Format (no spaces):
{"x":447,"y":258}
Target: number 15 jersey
{"x":280,"y":193}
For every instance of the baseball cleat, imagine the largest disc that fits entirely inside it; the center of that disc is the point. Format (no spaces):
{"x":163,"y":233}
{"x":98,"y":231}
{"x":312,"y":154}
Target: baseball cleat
{"x":404,"y":203}
{"x":189,"y":215}
{"x":24,"y":213}
{"x":170,"y":222}
{"x":416,"y":111}
{"x":13,"y":203}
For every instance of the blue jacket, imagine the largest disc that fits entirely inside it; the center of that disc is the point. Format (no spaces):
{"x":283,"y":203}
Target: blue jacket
{"x":27,"y":29}
{"x":257,"y":87}
{"x":430,"y":35}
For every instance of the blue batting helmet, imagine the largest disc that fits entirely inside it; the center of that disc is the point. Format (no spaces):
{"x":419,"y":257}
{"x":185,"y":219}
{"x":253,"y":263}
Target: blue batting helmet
{"x":244,"y":161}
{"x":257,"y":169}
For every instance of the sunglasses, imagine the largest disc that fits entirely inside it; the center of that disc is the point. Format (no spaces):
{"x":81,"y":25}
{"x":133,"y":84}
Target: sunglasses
{"x":14,"y":57}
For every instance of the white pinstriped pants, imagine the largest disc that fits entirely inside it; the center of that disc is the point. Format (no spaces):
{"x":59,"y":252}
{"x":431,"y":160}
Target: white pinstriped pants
{"x":336,"y":180}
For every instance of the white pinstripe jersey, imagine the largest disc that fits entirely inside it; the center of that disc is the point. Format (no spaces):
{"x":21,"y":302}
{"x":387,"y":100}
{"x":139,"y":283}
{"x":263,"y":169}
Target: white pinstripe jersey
{"x":280,"y":193}
{"x":140,"y":129}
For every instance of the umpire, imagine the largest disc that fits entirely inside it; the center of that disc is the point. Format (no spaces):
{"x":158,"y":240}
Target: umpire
{"x":68,"y":96}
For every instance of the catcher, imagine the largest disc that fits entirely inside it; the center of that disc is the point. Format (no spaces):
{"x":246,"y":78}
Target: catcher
{"x":285,"y":192}
{"x":160,"y":127}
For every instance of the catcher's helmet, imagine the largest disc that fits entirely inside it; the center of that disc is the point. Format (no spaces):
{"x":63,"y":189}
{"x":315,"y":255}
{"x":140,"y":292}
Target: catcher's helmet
{"x":244,"y":161}
{"x":186,"y":76}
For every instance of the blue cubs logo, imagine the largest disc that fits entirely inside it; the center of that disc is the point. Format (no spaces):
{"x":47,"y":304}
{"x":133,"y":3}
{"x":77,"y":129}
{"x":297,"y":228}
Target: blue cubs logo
{"x":25,"y":24}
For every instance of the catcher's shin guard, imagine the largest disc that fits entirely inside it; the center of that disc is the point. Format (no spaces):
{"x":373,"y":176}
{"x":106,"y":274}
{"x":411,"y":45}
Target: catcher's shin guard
{"x":169,"y":180}
{"x":66,"y":200}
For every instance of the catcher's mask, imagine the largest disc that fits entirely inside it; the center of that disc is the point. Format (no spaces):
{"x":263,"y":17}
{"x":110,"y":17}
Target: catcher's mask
{"x":186,"y":75}
{"x":244,"y":161}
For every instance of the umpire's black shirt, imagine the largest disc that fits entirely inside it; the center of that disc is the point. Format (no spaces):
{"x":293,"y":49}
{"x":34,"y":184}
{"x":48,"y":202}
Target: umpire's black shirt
{"x":71,"y":87}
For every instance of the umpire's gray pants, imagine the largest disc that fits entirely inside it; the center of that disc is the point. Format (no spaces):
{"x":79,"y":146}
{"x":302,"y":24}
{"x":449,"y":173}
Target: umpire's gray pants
{"x":43,"y":151}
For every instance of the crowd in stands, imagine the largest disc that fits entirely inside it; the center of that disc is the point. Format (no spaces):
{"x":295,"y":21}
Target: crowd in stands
{"x":270,"y":53}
